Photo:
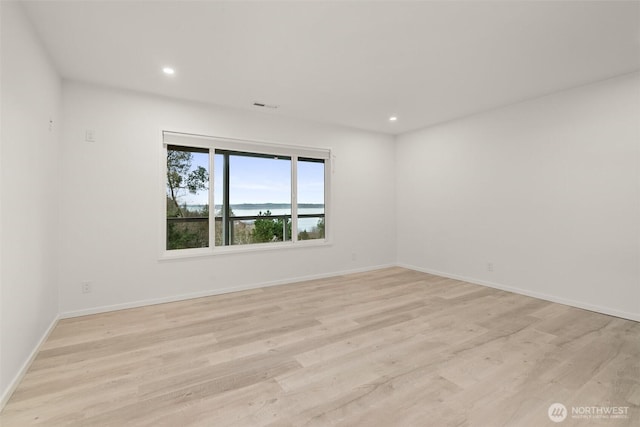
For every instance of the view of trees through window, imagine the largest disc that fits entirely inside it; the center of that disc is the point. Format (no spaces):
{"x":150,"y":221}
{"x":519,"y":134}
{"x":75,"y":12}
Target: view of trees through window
{"x":252,"y":198}
{"x":187,"y":181}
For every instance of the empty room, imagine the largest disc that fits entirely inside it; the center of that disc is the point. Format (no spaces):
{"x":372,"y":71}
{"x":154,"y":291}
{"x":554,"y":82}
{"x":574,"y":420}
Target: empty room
{"x":322,"y":213}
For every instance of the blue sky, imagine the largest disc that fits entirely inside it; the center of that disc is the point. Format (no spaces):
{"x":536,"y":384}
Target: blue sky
{"x":261,"y":180}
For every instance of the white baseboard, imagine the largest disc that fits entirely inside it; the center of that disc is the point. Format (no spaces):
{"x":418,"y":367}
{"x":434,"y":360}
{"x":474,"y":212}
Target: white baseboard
{"x":573,"y":303}
{"x":539,"y":295}
{"x":173,"y":298}
{"x":6,"y":394}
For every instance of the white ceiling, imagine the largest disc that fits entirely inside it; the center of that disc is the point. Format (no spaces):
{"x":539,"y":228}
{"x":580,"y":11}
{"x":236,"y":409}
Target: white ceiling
{"x":350,"y":63}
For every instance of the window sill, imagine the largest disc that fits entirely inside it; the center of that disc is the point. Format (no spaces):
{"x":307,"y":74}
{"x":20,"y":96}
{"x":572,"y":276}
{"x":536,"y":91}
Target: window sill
{"x":178,"y":254}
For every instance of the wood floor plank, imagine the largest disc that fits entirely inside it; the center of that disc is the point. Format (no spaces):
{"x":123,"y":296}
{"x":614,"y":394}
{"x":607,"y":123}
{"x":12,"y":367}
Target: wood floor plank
{"x":391,"y":347}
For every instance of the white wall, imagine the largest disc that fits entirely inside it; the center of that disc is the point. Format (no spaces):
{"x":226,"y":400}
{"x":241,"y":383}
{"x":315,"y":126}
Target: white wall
{"x":547,"y":190}
{"x":29,"y":187}
{"x":111,"y":195}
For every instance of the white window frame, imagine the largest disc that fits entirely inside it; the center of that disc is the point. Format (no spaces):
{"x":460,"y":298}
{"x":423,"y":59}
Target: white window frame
{"x":213,"y":143}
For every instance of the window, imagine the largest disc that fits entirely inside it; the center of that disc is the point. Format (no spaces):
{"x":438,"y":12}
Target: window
{"x":261,"y":194}
{"x":310,"y":199}
{"x":187,"y":197}
{"x":253,"y":198}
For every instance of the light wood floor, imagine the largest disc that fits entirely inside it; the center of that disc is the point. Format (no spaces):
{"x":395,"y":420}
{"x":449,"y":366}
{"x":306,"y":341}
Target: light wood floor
{"x":392,"y":347}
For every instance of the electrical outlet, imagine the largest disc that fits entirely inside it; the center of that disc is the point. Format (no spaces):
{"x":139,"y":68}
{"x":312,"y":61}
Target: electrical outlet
{"x":489,"y":266}
{"x":86,"y":287}
{"x":90,"y":135}
{"x":353,"y":256}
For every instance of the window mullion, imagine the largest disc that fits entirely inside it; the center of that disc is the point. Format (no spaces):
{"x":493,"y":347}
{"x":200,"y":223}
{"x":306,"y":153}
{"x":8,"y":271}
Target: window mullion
{"x":212,"y":205}
{"x":226,"y":209}
{"x":294,"y":199}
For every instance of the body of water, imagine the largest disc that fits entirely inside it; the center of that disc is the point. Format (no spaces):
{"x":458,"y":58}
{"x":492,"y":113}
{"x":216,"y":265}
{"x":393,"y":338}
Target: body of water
{"x":303,"y":223}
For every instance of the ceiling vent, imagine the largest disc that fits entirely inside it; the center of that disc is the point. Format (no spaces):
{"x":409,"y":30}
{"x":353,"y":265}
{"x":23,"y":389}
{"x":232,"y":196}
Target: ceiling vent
{"x":263,"y":105}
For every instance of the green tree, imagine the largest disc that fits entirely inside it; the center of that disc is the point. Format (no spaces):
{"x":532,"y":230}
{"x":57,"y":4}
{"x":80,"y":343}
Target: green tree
{"x":304,"y":235}
{"x":320,"y":228}
{"x":317,"y":232}
{"x":182,"y":178}
{"x":270,"y":229}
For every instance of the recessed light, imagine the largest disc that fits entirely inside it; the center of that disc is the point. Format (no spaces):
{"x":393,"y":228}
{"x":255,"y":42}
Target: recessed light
{"x":393,"y":118}
{"x":169,"y":71}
